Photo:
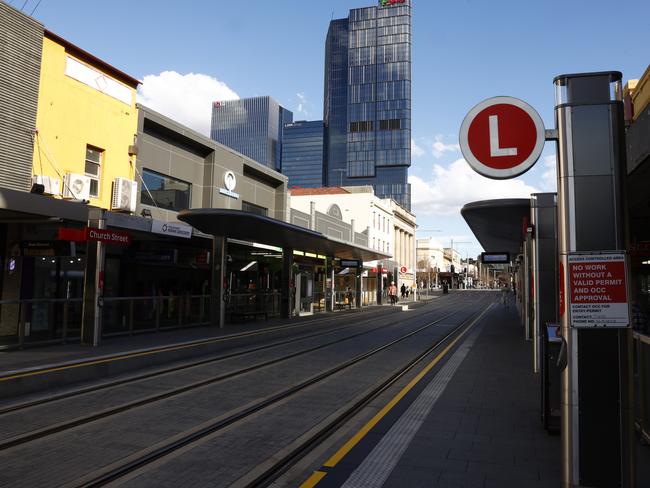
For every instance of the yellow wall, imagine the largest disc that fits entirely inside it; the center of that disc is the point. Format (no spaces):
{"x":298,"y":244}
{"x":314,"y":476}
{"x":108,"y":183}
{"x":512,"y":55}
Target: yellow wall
{"x":72,"y":115}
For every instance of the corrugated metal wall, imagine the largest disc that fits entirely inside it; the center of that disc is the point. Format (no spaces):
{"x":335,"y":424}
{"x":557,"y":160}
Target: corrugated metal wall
{"x":21,"y":45}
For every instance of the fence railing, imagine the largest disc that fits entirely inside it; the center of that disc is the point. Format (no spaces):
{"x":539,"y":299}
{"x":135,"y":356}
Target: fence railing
{"x":130,"y":315}
{"x":241,"y":305}
{"x":50,"y":320}
{"x":39,"y":320}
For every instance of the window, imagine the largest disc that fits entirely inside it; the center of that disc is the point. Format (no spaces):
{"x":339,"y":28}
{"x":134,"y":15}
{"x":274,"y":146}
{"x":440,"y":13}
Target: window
{"x":361,"y":126}
{"x":254,"y":209}
{"x":373,"y":243}
{"x":164,"y":191}
{"x":390,"y":124}
{"x":93,"y":166}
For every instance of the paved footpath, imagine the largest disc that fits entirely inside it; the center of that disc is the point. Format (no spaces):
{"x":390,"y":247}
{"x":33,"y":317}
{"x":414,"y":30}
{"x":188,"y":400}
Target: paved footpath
{"x":475,"y":424}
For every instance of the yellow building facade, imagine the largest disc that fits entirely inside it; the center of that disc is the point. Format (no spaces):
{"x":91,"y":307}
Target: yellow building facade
{"x":85,"y":125}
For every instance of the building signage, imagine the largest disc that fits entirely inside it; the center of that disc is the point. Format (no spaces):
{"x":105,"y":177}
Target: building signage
{"x":171,"y":229}
{"x":108,"y":236}
{"x":350,"y":263}
{"x":389,"y":3}
{"x":598,"y":290}
{"x":43,"y":249}
{"x":230,"y":183}
{"x":495,"y":257}
{"x":403,"y":269}
{"x":502,"y":137}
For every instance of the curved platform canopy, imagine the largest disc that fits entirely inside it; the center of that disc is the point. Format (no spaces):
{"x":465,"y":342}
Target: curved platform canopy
{"x":246,"y":226}
{"x":497,"y":224}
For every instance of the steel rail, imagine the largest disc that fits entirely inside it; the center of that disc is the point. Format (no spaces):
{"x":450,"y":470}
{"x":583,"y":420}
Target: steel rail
{"x":136,"y":461}
{"x":103,"y":414}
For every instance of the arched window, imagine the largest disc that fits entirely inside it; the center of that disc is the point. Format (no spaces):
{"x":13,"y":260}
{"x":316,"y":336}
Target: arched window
{"x":335,"y":211}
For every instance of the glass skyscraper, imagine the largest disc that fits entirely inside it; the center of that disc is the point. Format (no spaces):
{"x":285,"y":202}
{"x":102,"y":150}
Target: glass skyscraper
{"x":252,"y":126}
{"x":302,"y":153}
{"x":367,"y":100}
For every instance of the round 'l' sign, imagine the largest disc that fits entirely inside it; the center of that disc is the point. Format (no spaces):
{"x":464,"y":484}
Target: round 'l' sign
{"x":502,"y":137}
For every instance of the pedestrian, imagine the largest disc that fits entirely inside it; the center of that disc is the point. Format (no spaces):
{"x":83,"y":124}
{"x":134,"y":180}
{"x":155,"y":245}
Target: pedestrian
{"x":505,"y":298}
{"x":403,"y":290}
{"x":392,"y":293}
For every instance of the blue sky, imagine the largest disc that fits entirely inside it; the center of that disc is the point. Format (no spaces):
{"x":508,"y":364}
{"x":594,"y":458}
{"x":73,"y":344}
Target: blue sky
{"x":463,"y":51}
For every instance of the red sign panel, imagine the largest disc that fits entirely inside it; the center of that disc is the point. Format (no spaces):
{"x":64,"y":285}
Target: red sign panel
{"x":108,"y":236}
{"x":403,"y":269}
{"x":75,"y":235}
{"x":598,"y":290}
{"x":502,"y":137}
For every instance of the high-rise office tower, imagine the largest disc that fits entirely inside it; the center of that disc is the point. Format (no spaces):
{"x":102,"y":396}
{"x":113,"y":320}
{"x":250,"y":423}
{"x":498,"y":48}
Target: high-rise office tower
{"x":252,"y":126}
{"x":367,"y":100}
{"x":302,"y":153}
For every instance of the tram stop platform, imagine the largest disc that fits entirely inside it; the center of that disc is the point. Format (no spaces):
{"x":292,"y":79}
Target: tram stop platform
{"x":474,"y":421}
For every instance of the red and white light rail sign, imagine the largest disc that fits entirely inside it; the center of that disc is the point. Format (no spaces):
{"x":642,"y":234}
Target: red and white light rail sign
{"x":598,"y":290}
{"x":502,"y":137}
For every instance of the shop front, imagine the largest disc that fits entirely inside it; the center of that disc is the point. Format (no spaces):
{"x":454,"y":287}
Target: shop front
{"x":308,"y":267}
{"x":41,"y":282}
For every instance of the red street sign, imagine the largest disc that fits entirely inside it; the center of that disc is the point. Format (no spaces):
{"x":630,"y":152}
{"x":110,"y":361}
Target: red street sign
{"x":403,"y":269}
{"x":384,"y":270}
{"x":75,"y":235}
{"x":108,"y":236}
{"x":374,"y":270}
{"x":598,"y":290}
{"x":502,"y":137}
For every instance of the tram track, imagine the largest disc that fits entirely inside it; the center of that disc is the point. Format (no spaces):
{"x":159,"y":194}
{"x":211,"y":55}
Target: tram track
{"x":62,"y":426}
{"x":298,"y":451}
{"x":50,"y":398}
{"x":145,"y":457}
{"x":159,"y":372}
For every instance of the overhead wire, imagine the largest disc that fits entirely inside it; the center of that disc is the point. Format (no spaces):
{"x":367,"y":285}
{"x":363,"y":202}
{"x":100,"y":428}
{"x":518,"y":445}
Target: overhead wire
{"x":34,"y":9}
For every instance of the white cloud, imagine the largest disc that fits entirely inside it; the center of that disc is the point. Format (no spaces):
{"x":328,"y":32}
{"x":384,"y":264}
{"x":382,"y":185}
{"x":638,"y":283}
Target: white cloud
{"x":416,"y":151}
{"x":439,"y":148}
{"x":549,"y":177}
{"x":185,"y":98}
{"x":457,"y":184}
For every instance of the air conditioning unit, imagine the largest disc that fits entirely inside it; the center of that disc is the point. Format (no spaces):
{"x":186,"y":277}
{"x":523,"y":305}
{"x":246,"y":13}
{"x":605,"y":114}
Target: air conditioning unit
{"x":125,"y":194}
{"x":51,"y":184}
{"x":76,"y":186}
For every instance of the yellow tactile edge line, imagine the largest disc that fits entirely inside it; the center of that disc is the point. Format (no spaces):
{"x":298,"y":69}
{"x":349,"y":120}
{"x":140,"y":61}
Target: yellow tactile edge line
{"x":317,"y":476}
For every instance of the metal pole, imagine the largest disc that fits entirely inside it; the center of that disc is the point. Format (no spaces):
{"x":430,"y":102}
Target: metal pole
{"x":597,"y":429}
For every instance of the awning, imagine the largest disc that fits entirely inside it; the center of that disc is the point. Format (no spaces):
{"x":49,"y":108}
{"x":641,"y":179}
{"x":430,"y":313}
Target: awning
{"x":497,"y":224}
{"x":21,"y":206}
{"x":265,"y":230}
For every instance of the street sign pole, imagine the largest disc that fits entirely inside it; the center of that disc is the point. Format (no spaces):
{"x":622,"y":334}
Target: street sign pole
{"x":597,"y":432}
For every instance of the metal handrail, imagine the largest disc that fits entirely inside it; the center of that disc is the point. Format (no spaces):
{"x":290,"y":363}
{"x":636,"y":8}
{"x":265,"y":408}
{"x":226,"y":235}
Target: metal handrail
{"x":39,"y":300}
{"x":152,"y":297}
